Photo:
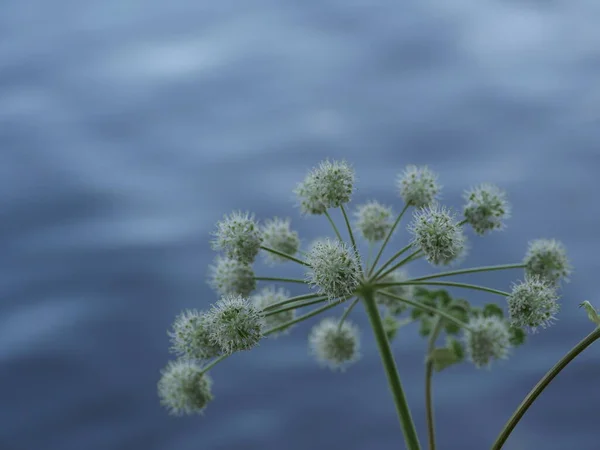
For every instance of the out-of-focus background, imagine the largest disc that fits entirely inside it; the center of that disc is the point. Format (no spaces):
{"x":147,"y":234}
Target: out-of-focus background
{"x":128,"y":128}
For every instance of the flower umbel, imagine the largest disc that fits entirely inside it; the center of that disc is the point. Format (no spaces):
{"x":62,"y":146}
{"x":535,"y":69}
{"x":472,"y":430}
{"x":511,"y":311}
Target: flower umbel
{"x":490,"y":339}
{"x":373,"y":220}
{"x":486,"y":207}
{"x":335,"y":347}
{"x":231,"y":276}
{"x":239,"y":236}
{"x":335,"y":269}
{"x":236,"y":324}
{"x":183,"y":388}
{"x":418,"y":186}
{"x":532,"y":303}
{"x":547,"y":258}
{"x":437,"y":233}
{"x":278,"y":236}
{"x":190,"y":336}
{"x":269,"y":296}
{"x":327,"y":186}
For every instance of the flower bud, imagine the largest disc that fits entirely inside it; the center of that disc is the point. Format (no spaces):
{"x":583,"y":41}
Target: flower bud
{"x":327,"y":186}
{"x":532,"y":303}
{"x":418,"y":186}
{"x":190,"y":337}
{"x":183,"y":388}
{"x":437,"y":233}
{"x":486,"y":208}
{"x":231,"y":276}
{"x":269,"y":296}
{"x":373,"y":220}
{"x":335,"y":269}
{"x":489,"y":339}
{"x":236,"y":324}
{"x":333,"y":347}
{"x":278,"y":236}
{"x":407,"y":291}
{"x":547,"y":258}
{"x":239,"y":236}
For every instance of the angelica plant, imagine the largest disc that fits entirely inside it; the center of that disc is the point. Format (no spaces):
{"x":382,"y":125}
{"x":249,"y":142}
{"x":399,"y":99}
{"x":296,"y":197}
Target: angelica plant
{"x":335,"y":273}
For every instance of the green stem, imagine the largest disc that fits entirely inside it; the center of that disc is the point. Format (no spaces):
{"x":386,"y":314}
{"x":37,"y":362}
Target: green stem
{"x":428,"y":382}
{"x":301,"y":305}
{"x":346,"y":312}
{"x":445,"y":283}
{"x":286,"y":280}
{"x":335,"y":228}
{"x":541,"y":385}
{"x":349,"y":229}
{"x":427,"y":308}
{"x":291,"y":300}
{"x":387,"y":238}
{"x":284,"y":255}
{"x":471,"y":270}
{"x":401,"y":263}
{"x":392,"y":259}
{"x":406,"y":421}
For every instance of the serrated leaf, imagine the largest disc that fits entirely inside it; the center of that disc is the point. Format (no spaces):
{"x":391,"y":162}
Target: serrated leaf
{"x":442,"y":357}
{"x":426,"y":326}
{"x":457,"y":347}
{"x":517,"y":336}
{"x":491,"y":309}
{"x":591,"y":312}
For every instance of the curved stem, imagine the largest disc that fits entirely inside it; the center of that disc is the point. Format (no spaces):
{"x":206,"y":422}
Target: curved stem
{"x":401,"y":263}
{"x":291,"y":300}
{"x":445,"y":283}
{"x":335,"y":228}
{"x":286,"y":280}
{"x":387,"y":238}
{"x":541,"y":385}
{"x":348,"y":309}
{"x":301,"y":305}
{"x":428,"y":382}
{"x":471,"y":270}
{"x":349,"y":228}
{"x":391,"y":260}
{"x":284,"y":255}
{"x":406,"y":421}
{"x":427,"y":308}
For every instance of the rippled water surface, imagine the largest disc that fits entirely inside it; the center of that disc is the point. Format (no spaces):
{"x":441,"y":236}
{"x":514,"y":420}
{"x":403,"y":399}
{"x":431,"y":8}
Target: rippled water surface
{"x":127,"y":129}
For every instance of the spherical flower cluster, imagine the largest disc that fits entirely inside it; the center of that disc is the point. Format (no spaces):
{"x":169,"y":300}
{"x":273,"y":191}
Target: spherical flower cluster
{"x":236,"y":324}
{"x":418,"y":186}
{"x":335,"y":269}
{"x":183,"y":388}
{"x":278,"y":236}
{"x":436,"y":232}
{"x":489,"y":338}
{"x":239,"y":236}
{"x":269,"y":296}
{"x":231,"y":276}
{"x":486,"y":207}
{"x":395,"y":307}
{"x":333,"y":346}
{"x":327,"y":186}
{"x":190,"y":337}
{"x":532,"y":303}
{"x":374,"y":220}
{"x":547,"y":258}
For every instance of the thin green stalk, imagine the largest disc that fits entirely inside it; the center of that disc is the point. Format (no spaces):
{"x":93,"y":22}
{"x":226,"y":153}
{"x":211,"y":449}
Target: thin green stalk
{"x":286,"y":280}
{"x":347,"y":311}
{"x":349,"y":228}
{"x":471,"y":270}
{"x":392,"y":259}
{"x":427,"y":308}
{"x":284,"y":255}
{"x":541,"y":385}
{"x":292,"y":300}
{"x":400,"y":264}
{"x":428,"y":382}
{"x":445,"y":283}
{"x":335,"y":228}
{"x":283,"y":326}
{"x":406,"y":421}
{"x":369,"y":256}
{"x":301,"y":305}
{"x":387,"y":238}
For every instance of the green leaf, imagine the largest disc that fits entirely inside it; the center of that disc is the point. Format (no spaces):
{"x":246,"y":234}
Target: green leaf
{"x":442,"y":357}
{"x":591,"y":312}
{"x":457,"y":347}
{"x":517,"y":336}
{"x":391,"y":326}
{"x":491,"y":309}
{"x":426,"y":326}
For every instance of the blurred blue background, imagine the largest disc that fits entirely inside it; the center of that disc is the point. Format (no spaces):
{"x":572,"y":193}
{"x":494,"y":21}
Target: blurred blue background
{"x":128,"y":128}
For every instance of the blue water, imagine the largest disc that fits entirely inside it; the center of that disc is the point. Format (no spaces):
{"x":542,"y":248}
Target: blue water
{"x":127,"y":129}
